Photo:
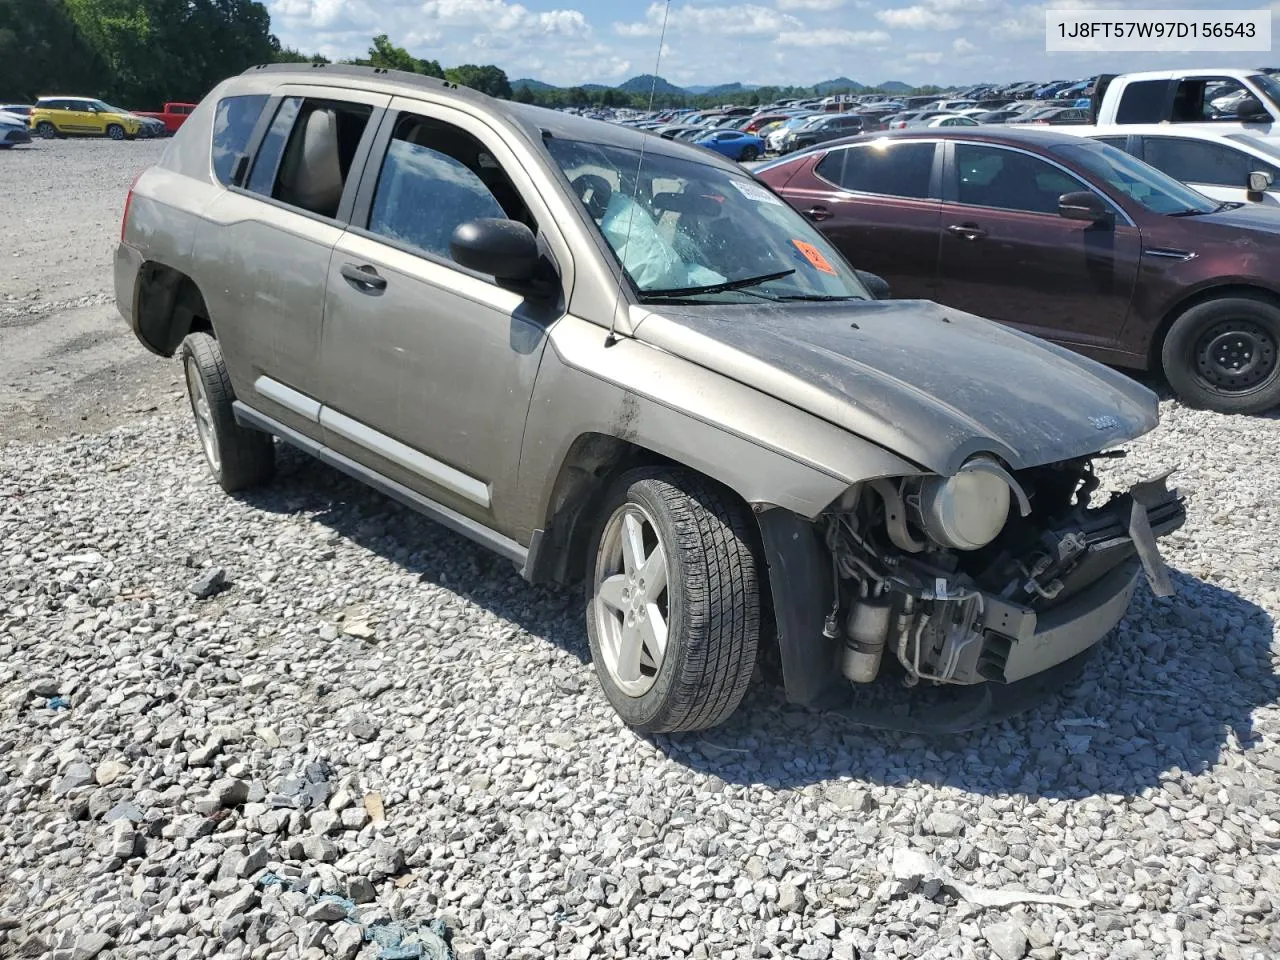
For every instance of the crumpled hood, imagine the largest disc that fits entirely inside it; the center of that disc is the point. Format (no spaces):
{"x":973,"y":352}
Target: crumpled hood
{"x":932,"y":384}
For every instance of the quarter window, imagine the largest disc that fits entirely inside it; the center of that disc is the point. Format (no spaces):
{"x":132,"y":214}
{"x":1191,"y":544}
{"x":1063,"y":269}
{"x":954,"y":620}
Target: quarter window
{"x":307,"y":153}
{"x":233,"y":124}
{"x":434,"y":178}
{"x":891,"y":170}
{"x":1009,"y":180}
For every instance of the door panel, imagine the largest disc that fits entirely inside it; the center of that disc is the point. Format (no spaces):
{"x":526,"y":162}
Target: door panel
{"x":1061,"y":279}
{"x":893,"y":236}
{"x":433,"y":364}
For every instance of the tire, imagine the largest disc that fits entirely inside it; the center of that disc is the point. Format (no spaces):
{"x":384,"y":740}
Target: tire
{"x":749,"y":154}
{"x":47,"y":130}
{"x":710,"y":602}
{"x":1224,"y":355}
{"x":238,"y":457}
{"x":115,"y":131}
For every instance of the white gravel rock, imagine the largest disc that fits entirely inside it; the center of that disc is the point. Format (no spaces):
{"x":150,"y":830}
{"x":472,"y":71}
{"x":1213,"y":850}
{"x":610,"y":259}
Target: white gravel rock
{"x":393,"y":716}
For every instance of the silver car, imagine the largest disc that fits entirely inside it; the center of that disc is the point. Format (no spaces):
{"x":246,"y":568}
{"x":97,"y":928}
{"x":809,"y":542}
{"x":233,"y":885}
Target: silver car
{"x":652,"y":377}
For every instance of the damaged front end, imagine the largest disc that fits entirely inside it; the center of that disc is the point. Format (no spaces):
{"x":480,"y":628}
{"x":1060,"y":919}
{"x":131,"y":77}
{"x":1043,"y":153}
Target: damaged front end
{"x":987,"y":576}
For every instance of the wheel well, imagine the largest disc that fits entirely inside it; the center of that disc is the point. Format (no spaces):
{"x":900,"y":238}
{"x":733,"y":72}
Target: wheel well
{"x":1202,"y":296}
{"x":170,"y":306}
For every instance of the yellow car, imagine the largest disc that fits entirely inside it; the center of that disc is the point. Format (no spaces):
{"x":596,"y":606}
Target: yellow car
{"x":81,"y":116}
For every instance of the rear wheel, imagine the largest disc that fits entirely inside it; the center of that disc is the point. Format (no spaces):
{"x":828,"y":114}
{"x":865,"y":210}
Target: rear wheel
{"x":673,"y":601}
{"x":237,"y":456}
{"x":749,"y":153}
{"x":1224,"y":355}
{"x":115,"y":131}
{"x":46,"y":129}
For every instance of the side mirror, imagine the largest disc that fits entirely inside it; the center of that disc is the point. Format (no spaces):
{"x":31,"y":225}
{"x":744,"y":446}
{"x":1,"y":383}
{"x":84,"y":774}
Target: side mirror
{"x":1083,"y":205}
{"x":504,"y":249}
{"x":1250,"y":109}
{"x":876,"y":285}
{"x":1259,"y":181}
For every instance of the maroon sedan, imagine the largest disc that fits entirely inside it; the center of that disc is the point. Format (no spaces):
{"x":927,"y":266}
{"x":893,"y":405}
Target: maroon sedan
{"x":1065,"y":238}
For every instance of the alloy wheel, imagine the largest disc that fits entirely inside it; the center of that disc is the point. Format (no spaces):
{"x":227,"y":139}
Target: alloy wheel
{"x":630,"y":599}
{"x":203,"y":414}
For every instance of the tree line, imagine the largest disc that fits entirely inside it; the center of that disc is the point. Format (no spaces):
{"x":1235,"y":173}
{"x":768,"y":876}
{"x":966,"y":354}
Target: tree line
{"x":142,"y":53}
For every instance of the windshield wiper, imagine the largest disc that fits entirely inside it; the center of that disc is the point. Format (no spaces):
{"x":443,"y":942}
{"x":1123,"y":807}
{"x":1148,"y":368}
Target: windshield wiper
{"x":677,"y":292}
{"x":820,"y":297}
{"x":1192,"y":212}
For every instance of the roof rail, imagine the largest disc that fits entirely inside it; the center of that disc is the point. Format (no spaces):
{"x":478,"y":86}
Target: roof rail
{"x":371,"y":73}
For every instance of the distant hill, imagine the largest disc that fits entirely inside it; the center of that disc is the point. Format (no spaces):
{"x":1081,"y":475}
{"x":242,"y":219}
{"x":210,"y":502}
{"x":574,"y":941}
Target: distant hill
{"x":896,"y":86}
{"x":645,"y":82}
{"x":838,"y":85}
{"x":531,"y":84}
{"x":723,"y":89}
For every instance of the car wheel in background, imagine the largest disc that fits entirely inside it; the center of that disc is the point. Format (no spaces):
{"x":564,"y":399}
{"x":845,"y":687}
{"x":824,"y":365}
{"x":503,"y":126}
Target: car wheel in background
{"x":749,"y":153}
{"x":115,"y":131}
{"x":673,"y":600}
{"x":1224,"y":355}
{"x":237,"y":456}
{"x":46,"y":130}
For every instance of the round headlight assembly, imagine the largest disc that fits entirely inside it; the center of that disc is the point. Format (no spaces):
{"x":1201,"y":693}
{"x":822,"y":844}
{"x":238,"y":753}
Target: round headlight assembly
{"x":969,"y":510}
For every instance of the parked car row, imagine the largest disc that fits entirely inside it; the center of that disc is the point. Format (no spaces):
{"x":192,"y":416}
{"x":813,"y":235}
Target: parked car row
{"x":54,"y":117}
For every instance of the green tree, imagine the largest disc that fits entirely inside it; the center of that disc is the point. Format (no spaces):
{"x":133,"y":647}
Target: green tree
{"x":487,"y":79}
{"x":290,"y":55}
{"x":524,"y":95}
{"x":43,"y":51}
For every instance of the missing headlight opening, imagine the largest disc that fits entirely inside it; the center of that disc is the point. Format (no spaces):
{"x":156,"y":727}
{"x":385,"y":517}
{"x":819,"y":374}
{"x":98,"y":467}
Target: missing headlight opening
{"x":986,"y":575}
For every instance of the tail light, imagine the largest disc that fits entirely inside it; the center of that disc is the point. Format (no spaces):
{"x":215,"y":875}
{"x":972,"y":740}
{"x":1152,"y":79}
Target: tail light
{"x":128,"y":202}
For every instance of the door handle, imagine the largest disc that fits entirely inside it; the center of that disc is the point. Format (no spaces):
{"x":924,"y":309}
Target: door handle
{"x":967,"y":231}
{"x":365,"y":279}
{"x":818,"y":213}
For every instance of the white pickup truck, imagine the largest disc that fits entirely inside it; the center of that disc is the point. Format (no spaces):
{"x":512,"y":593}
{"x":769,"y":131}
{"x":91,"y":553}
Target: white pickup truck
{"x":1221,"y":99}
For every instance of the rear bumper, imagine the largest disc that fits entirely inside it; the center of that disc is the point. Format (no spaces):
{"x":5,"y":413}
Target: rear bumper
{"x":128,"y":264}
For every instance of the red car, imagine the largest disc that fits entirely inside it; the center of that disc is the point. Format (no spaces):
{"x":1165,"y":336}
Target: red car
{"x":173,"y":116}
{"x":1063,"y":237}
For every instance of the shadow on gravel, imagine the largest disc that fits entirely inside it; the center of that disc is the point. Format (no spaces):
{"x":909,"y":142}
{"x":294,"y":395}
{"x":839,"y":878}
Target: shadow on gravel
{"x":1166,"y":692}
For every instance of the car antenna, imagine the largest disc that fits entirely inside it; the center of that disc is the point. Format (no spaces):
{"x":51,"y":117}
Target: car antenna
{"x":612,"y":338}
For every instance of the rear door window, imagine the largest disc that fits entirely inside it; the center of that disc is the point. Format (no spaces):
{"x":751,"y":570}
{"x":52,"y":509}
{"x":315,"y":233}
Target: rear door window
{"x":233,"y":125}
{"x":306,"y":156}
{"x":896,"y":170}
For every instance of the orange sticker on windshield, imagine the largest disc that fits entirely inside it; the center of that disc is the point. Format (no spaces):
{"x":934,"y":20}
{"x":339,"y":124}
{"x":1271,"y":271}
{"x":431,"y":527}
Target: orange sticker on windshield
{"x":814,"y":256}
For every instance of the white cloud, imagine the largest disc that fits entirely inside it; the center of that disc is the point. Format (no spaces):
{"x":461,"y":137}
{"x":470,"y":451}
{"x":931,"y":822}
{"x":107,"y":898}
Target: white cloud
{"x":930,"y":57}
{"x":832,"y":38}
{"x":819,"y":5}
{"x":962,"y":46}
{"x":497,"y":15}
{"x":740,"y":20}
{"x":918,"y":18}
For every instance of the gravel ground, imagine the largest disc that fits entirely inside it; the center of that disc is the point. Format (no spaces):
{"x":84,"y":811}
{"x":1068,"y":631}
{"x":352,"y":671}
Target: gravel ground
{"x":372,"y":725}
{"x":68,"y":362}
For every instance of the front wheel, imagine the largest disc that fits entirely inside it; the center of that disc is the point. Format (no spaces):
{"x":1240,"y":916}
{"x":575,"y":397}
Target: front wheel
{"x":1224,"y":355}
{"x":115,"y":131}
{"x":238,"y":457}
{"x":46,"y":130}
{"x":673,"y":601}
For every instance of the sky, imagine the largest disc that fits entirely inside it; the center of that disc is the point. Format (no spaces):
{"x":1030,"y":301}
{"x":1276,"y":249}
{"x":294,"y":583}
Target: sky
{"x":782,"y":42}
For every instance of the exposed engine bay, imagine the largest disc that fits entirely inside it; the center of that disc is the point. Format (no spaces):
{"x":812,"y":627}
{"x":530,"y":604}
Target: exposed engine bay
{"x":987,"y":575}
